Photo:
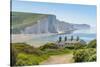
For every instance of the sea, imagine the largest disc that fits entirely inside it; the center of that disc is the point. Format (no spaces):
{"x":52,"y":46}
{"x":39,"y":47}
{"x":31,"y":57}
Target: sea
{"x":84,"y":34}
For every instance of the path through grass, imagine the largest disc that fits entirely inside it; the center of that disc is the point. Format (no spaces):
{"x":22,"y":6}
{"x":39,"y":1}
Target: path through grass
{"x":59,"y":59}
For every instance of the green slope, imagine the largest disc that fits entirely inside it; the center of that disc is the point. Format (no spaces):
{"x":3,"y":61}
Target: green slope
{"x":20,"y":20}
{"x":24,"y":19}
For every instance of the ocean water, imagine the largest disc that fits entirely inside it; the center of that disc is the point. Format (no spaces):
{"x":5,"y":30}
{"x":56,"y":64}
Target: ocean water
{"x":85,"y":35}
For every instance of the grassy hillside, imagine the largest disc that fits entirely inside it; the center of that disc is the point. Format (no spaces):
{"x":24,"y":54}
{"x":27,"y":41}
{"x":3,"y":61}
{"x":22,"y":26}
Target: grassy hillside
{"x":20,"y":20}
{"x":23,"y":54}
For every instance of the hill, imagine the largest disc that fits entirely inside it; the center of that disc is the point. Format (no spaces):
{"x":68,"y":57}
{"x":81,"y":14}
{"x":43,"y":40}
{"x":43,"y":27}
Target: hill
{"x":33,"y":23}
{"x":21,"y":18}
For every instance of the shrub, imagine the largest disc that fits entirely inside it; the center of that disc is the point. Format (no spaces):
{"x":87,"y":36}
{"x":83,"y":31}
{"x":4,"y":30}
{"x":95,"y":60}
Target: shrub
{"x":92,"y":44}
{"x":92,"y":58}
{"x":70,"y":47}
{"x":48,"y":46}
{"x":79,"y":55}
{"x":23,"y":54}
{"x":24,"y":59}
{"x":79,"y":46}
{"x":76,"y":46}
{"x":22,"y":47}
{"x":85,"y":55}
{"x":30,"y":59}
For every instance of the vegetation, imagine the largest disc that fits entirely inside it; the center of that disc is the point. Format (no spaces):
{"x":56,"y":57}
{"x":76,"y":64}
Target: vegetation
{"x":76,"y":46}
{"x":86,"y":53}
{"x":19,"y":20}
{"x":92,"y":44}
{"x":29,"y":59}
{"x":79,"y":46}
{"x":48,"y":46}
{"x":58,"y":51}
{"x":23,"y":54}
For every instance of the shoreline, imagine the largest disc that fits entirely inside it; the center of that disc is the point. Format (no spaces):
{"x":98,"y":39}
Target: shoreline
{"x":27,"y":37}
{"x":39,"y":39}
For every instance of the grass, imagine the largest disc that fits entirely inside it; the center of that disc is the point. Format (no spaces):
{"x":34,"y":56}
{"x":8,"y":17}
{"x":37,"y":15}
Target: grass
{"x":85,"y":55}
{"x":24,"y":18}
{"x":29,"y":55}
{"x":58,"y":51}
{"x":20,"y":20}
{"x":30,"y":59}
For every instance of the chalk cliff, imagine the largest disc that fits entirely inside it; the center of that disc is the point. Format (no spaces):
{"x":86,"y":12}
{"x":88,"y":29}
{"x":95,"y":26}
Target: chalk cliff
{"x":31,"y":23}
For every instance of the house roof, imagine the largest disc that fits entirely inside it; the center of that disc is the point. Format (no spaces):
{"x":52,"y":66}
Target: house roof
{"x":69,"y":41}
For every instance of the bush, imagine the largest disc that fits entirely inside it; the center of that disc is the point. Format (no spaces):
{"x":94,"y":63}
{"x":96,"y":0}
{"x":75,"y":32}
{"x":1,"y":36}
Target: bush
{"x":48,"y":46}
{"x":79,"y":56}
{"x":92,"y":58}
{"x":25,"y":48}
{"x":70,"y":47}
{"x":92,"y":44}
{"x":29,"y":59}
{"x":85,"y":55}
{"x":23,"y":54}
{"x":79,"y":46}
{"x":76,"y":46}
{"x":24,"y":59}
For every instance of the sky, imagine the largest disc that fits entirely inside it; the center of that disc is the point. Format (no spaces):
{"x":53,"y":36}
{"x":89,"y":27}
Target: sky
{"x":72,"y":13}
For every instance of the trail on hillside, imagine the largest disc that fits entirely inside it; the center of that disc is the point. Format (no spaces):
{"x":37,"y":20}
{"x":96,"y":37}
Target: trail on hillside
{"x":58,"y":59}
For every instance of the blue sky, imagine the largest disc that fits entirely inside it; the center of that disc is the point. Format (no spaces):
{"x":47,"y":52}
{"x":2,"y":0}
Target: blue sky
{"x":72,"y":13}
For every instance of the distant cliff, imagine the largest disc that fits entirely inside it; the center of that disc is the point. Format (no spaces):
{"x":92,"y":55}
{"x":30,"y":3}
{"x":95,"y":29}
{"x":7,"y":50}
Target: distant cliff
{"x":32,"y":23}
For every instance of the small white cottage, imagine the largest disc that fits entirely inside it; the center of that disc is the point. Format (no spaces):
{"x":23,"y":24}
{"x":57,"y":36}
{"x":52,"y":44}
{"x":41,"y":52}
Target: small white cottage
{"x":69,"y":42}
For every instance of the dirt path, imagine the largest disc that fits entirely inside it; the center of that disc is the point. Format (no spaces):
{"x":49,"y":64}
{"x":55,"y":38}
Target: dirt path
{"x":59,"y":59}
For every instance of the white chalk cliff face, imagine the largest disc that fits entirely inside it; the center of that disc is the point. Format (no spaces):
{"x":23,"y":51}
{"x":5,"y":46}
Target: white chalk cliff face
{"x":63,"y":27}
{"x":45,"y":24}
